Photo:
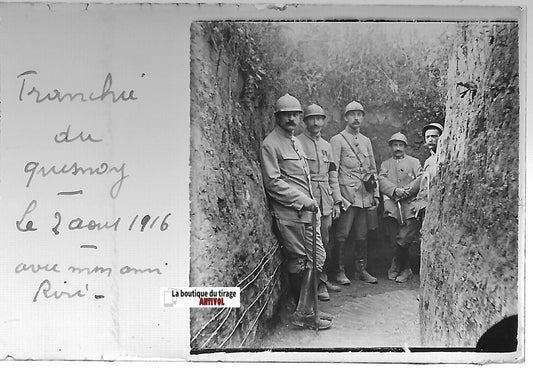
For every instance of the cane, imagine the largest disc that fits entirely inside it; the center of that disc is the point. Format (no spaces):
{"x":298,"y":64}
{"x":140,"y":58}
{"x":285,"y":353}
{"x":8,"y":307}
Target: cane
{"x":315,"y":293}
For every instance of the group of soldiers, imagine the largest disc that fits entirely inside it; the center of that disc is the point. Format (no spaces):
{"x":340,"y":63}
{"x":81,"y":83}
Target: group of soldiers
{"x":310,"y":182}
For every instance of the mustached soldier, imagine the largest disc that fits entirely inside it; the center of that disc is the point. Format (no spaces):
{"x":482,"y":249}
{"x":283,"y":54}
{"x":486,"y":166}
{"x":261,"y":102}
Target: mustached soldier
{"x":287,"y":183}
{"x":356,"y":166}
{"x":431,"y":132}
{"x":325,"y":184}
{"x":399,"y":182}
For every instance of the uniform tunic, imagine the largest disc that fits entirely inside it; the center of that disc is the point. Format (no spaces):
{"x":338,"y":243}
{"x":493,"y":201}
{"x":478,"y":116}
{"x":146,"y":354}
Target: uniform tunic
{"x":430,"y":171}
{"x":353,"y":167}
{"x":286,"y":176}
{"x":400,"y":173}
{"x":354,"y":159}
{"x":324,"y":182}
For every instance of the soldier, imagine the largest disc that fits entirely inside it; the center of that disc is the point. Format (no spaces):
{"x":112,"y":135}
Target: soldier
{"x":288,"y":187}
{"x":354,"y":159}
{"x":432,"y":132}
{"x":399,"y":182}
{"x":325,"y":184}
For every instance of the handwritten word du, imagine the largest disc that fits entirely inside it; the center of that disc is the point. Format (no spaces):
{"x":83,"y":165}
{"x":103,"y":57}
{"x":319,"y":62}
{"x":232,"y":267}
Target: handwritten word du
{"x":65,"y":137}
{"x":106,"y":94}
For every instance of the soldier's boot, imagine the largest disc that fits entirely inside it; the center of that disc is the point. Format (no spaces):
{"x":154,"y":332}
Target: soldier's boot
{"x":405,"y":269}
{"x":394,"y":268}
{"x":322,"y":291}
{"x":362,"y":274}
{"x":340,"y":276}
{"x":332,"y":287}
{"x":360,"y":264}
{"x":304,"y":315}
{"x":295,"y":283}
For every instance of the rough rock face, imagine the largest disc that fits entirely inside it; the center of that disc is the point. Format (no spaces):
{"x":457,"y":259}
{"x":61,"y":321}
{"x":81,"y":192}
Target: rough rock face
{"x":231,"y":239}
{"x":469,"y":266}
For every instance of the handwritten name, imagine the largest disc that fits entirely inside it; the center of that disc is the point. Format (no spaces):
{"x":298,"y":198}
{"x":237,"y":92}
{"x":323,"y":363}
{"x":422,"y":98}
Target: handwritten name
{"x":45,"y":289}
{"x":33,"y":168}
{"x":106,"y":94}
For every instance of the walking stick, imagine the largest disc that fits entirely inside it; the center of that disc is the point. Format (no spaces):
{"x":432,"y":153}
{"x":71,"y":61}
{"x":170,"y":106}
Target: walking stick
{"x":315,"y":293}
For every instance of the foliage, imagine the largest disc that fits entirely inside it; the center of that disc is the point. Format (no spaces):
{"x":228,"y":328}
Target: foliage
{"x":250,"y":47}
{"x":397,"y":71}
{"x":380,"y":65}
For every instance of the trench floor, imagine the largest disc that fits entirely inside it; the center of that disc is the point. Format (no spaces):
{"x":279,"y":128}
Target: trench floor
{"x":365,"y":316}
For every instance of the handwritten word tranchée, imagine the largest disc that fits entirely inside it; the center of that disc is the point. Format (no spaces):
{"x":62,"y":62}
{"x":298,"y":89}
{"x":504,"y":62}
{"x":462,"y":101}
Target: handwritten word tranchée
{"x":106,"y":94}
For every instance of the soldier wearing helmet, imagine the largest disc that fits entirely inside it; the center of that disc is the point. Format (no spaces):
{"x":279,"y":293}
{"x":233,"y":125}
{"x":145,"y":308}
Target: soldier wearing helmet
{"x":399,"y":182}
{"x":354,"y":160}
{"x":325,"y":184}
{"x":431,"y":132}
{"x":287,"y":182}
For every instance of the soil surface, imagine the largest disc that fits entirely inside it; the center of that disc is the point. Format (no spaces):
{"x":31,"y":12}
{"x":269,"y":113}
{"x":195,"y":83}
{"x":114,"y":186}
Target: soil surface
{"x":365,"y":316}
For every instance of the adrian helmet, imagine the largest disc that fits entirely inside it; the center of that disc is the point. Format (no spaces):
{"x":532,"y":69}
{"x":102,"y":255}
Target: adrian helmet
{"x":432,"y":125}
{"x":398,"y":137}
{"x":314,"y":110}
{"x":288,"y":103}
{"x":354,"y":106}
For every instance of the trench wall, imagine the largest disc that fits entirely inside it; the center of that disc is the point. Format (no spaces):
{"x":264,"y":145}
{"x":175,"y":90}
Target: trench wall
{"x":231,"y":239}
{"x":469,"y":262}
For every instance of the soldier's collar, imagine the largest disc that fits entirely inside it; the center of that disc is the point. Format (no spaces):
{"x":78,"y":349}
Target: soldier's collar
{"x":315,"y":138}
{"x":351,"y":133}
{"x":282,"y":132}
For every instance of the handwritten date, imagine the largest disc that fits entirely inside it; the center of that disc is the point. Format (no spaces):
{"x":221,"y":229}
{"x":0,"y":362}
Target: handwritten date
{"x":137,"y":223}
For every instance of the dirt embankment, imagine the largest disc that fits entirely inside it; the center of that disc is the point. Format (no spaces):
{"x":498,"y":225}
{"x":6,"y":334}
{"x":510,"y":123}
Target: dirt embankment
{"x":469,"y":266}
{"x":231,"y":239}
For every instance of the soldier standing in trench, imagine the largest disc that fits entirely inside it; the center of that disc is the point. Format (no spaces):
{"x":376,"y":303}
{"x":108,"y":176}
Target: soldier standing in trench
{"x":399,"y":182}
{"x":287,"y":183}
{"x":325,"y":184}
{"x":431,"y":132}
{"x":354,"y":160}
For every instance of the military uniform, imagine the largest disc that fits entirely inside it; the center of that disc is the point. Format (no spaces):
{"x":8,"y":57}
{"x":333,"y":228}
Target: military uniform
{"x":400,"y":218}
{"x":287,"y":182}
{"x":400,"y":173}
{"x":429,"y":172}
{"x":354,"y":159}
{"x":324,"y":183}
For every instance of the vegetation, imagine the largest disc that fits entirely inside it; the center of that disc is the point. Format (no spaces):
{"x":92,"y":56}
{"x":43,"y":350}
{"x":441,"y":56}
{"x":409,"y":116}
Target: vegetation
{"x":396,"y":70}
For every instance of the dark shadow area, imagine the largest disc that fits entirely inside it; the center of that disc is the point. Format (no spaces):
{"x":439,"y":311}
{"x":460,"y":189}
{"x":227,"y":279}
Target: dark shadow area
{"x":501,"y":337}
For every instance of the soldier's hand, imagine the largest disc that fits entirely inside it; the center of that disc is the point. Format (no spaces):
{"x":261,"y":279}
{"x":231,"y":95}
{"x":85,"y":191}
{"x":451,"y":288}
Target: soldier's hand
{"x":420,"y":213}
{"x":345,"y":204}
{"x":375,"y":202}
{"x":336,"y":211}
{"x":400,"y":193}
{"x":313,"y":207}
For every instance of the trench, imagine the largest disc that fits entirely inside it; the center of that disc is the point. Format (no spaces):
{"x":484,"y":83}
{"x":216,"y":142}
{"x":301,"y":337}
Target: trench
{"x":236,"y":78}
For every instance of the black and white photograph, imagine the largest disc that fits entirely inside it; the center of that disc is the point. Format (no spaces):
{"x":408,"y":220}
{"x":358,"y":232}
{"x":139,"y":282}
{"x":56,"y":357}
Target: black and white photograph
{"x":359,"y":181}
{"x":253,"y":183}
